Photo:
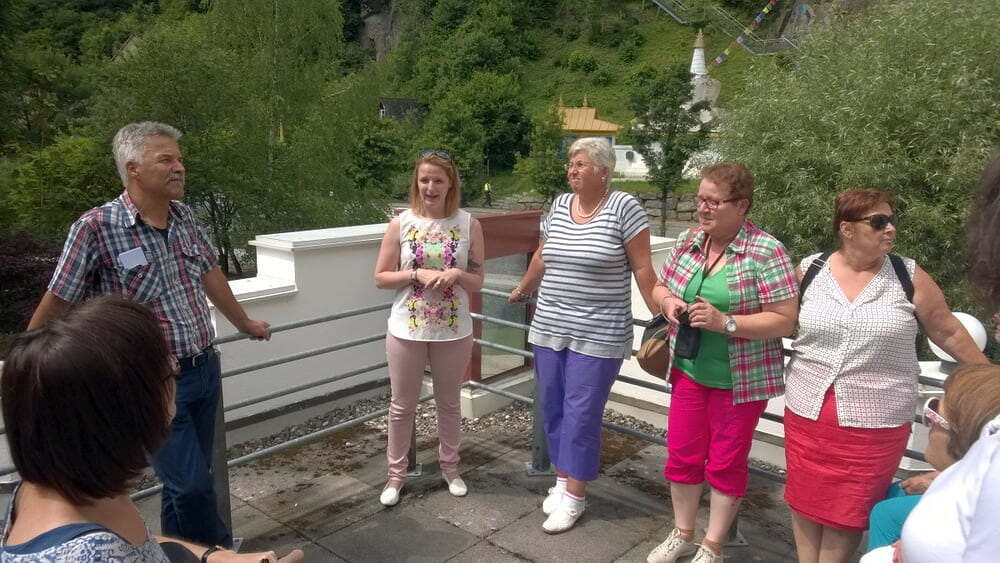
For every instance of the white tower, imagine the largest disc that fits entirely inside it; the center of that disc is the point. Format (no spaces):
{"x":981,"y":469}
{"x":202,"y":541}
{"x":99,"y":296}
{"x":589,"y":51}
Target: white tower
{"x":706,"y":88}
{"x":698,"y":67}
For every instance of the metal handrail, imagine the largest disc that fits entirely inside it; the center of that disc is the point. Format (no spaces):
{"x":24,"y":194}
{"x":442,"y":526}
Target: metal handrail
{"x":303,"y":355}
{"x":305,"y":386}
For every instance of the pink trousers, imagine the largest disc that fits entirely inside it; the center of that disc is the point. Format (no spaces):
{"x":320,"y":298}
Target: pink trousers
{"x":708,"y":437}
{"x":407,"y":359}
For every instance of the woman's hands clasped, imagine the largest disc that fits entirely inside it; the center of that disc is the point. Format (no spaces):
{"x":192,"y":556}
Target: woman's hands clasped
{"x":438,"y":279}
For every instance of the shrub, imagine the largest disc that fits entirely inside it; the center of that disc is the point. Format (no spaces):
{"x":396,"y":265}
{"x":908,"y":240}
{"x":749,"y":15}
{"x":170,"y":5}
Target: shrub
{"x":856,"y":113}
{"x":581,"y":61}
{"x":603,"y":76}
{"x":28,"y":263}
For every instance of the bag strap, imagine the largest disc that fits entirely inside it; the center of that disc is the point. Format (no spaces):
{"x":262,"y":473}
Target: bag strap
{"x":903,"y":274}
{"x":814,"y":269}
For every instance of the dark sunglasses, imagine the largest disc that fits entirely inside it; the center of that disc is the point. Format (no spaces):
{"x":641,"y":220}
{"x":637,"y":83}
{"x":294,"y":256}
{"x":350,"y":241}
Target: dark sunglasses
{"x":877,"y":221}
{"x":436,"y":152}
{"x":932,"y":414}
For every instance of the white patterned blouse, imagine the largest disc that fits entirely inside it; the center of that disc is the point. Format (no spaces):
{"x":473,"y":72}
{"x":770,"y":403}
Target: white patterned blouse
{"x":865,"y":349}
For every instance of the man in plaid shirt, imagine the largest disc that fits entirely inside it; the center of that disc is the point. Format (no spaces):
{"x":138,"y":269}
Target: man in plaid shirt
{"x":148,"y":246}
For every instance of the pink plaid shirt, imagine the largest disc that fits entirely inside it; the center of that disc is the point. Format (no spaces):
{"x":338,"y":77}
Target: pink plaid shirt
{"x":759,"y":272}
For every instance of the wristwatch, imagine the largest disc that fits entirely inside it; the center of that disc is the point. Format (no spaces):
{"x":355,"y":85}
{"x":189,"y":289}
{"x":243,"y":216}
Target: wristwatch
{"x":730,"y":325}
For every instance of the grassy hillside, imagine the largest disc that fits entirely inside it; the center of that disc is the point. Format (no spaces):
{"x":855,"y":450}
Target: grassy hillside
{"x":666,"y":43}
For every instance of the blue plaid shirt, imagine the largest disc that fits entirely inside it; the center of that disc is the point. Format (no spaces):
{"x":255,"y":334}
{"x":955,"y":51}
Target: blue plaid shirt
{"x":170,"y":284}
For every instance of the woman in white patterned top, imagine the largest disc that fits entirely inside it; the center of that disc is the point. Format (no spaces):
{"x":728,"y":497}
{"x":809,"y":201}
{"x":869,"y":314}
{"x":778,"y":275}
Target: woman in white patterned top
{"x":851,"y":385}
{"x":86,"y":400}
{"x":432,"y":255}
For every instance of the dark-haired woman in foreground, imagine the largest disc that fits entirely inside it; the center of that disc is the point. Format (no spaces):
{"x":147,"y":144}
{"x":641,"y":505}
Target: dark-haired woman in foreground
{"x":86,"y":401}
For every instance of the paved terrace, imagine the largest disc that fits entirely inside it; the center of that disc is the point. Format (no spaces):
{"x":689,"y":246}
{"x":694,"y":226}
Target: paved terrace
{"x":323,"y":498}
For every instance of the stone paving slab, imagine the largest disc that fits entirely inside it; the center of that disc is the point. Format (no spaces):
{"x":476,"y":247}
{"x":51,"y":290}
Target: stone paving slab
{"x":406,"y":533}
{"x":594,"y":538}
{"x":318,"y":507}
{"x":263,"y":533}
{"x":490,"y":505}
{"x":485,"y":552}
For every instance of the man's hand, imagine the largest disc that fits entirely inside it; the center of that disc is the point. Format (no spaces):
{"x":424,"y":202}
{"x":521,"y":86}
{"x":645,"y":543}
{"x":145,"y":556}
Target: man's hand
{"x":918,"y":484}
{"x":258,"y":330}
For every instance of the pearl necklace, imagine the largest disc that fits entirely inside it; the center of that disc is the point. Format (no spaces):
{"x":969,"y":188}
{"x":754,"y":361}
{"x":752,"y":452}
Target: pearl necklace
{"x":579,"y":206}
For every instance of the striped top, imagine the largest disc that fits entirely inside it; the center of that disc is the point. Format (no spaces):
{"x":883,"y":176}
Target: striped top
{"x":100,"y":258}
{"x":863,"y":348}
{"x":585,"y":300}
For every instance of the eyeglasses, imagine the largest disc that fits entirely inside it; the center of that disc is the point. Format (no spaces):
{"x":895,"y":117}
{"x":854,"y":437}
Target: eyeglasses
{"x":578,"y":165}
{"x":932,"y":415}
{"x":435,"y":152}
{"x":712,"y":204}
{"x":878,"y":221}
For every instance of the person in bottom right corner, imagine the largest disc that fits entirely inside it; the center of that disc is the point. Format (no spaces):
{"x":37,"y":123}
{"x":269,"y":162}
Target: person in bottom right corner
{"x":958,"y":518}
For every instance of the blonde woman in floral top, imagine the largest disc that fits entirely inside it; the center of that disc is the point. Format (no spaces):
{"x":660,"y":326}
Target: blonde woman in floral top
{"x":736,"y":284}
{"x":432,"y":255}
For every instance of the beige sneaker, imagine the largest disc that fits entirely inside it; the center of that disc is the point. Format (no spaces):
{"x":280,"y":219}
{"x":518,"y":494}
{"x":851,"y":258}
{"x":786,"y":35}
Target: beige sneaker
{"x":706,"y":555}
{"x":673,"y":547}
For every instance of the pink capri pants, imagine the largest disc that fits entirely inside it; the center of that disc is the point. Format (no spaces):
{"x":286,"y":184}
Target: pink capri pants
{"x":708,"y":437}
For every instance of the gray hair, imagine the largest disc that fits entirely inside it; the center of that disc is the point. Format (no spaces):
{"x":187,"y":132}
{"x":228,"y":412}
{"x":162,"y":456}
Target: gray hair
{"x":130,"y":143}
{"x":599,"y":151}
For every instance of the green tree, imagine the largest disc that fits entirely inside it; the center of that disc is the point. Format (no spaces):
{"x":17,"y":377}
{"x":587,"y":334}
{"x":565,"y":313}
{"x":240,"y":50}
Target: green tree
{"x":54,"y":185}
{"x":544,"y":165}
{"x":901,"y":97}
{"x":667,"y":130}
{"x":244,"y":81}
{"x":380,"y":157}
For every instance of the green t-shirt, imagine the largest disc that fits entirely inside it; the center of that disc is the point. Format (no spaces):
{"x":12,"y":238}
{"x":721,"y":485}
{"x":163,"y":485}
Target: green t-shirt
{"x":711,"y":367}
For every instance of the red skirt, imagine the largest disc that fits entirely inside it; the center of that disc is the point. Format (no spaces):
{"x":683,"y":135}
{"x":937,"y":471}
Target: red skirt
{"x":836,"y":474}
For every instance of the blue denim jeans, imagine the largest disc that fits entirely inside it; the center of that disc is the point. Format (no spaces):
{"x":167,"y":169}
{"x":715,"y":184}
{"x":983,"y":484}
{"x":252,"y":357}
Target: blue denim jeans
{"x":183,"y":464}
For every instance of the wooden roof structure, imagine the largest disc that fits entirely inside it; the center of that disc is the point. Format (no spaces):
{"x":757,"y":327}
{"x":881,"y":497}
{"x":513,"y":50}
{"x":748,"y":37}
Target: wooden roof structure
{"x":584,"y":121}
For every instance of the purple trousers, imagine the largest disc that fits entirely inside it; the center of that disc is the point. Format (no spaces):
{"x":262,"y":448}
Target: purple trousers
{"x":574,"y":388}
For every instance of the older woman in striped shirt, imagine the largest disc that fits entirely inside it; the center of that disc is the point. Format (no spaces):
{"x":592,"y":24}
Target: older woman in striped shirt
{"x":594,"y":240}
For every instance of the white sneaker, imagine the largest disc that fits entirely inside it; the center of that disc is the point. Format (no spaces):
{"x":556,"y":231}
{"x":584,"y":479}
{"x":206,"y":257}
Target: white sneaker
{"x":561,"y":519}
{"x":552,"y":501}
{"x":673,"y":547}
{"x":390,"y":495}
{"x":456,"y":486}
{"x":705,"y":555}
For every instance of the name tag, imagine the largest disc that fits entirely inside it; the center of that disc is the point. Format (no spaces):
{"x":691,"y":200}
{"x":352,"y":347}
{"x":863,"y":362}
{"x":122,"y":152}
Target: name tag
{"x":132,"y":258}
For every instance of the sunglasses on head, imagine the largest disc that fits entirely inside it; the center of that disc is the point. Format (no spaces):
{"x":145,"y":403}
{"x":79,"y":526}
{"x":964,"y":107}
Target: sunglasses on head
{"x":932,"y":414}
{"x":436,"y":152}
{"x":877,"y":221}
